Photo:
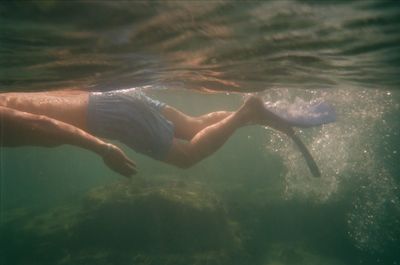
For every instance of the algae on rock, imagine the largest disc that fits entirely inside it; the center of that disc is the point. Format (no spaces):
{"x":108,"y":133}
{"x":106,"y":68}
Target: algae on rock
{"x":161,"y":218}
{"x":153,"y":224}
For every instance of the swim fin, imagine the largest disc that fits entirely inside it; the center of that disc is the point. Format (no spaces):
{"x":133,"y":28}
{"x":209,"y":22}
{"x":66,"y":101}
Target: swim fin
{"x":307,"y":156}
{"x":304,"y":114}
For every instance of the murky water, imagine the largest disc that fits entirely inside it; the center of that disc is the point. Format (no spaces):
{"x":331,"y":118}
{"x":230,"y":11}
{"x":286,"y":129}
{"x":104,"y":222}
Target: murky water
{"x":256,"y":191}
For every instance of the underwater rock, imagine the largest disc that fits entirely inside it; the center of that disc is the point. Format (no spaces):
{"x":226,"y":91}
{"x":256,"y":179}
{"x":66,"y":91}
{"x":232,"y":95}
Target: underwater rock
{"x":154,"y":219}
{"x":126,"y":224}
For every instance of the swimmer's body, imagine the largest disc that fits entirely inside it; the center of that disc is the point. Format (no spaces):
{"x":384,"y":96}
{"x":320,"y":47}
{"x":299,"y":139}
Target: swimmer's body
{"x":83,"y":119}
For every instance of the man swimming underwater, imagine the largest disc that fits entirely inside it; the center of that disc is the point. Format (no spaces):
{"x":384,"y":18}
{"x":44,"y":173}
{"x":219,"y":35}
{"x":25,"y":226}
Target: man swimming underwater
{"x":146,"y":125}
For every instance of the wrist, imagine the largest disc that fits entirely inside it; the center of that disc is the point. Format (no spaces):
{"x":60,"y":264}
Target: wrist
{"x":104,"y":149}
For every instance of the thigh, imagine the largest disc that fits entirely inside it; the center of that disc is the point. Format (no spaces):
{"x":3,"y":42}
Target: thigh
{"x":178,"y":154}
{"x":185,"y":126}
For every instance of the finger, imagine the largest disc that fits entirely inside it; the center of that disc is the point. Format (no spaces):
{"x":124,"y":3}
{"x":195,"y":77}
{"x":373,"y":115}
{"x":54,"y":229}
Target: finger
{"x":132,"y":169}
{"x":131,"y":162}
{"x":127,"y":159}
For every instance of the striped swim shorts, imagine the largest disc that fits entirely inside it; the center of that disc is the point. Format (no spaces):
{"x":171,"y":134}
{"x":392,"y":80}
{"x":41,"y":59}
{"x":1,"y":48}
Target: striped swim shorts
{"x":132,"y":118}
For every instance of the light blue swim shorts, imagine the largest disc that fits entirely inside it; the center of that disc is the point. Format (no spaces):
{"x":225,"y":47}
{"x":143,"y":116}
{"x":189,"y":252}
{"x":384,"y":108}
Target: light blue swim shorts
{"x":133,"y":118}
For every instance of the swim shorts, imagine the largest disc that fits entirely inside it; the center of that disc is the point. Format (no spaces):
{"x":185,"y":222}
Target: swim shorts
{"x":133,"y":118}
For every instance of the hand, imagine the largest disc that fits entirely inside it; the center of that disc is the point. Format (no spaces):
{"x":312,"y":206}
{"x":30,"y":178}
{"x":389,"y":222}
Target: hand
{"x":116,"y":159}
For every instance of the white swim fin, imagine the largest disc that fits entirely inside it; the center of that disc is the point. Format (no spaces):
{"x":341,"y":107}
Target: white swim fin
{"x":306,"y":114}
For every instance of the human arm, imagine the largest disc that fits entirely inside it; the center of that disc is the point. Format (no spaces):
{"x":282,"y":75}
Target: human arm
{"x":19,"y":128}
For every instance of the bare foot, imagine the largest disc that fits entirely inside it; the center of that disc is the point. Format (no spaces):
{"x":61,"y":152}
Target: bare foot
{"x":262,"y":116}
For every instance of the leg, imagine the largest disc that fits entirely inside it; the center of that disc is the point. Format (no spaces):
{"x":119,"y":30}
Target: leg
{"x":211,"y":138}
{"x":186,"y":127}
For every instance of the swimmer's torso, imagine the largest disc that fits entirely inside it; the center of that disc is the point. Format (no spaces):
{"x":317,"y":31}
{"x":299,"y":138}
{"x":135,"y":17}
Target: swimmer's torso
{"x":66,"y":106}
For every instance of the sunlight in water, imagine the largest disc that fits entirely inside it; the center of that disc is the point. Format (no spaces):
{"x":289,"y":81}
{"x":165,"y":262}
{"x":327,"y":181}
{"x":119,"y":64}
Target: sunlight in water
{"x":346,"y":151}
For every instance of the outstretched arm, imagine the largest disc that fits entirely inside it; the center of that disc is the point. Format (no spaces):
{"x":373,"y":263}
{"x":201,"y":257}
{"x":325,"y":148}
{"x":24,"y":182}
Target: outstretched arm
{"x":19,"y":128}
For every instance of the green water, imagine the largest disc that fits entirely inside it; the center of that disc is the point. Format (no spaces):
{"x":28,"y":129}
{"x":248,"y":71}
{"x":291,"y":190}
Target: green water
{"x":252,"y":202}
